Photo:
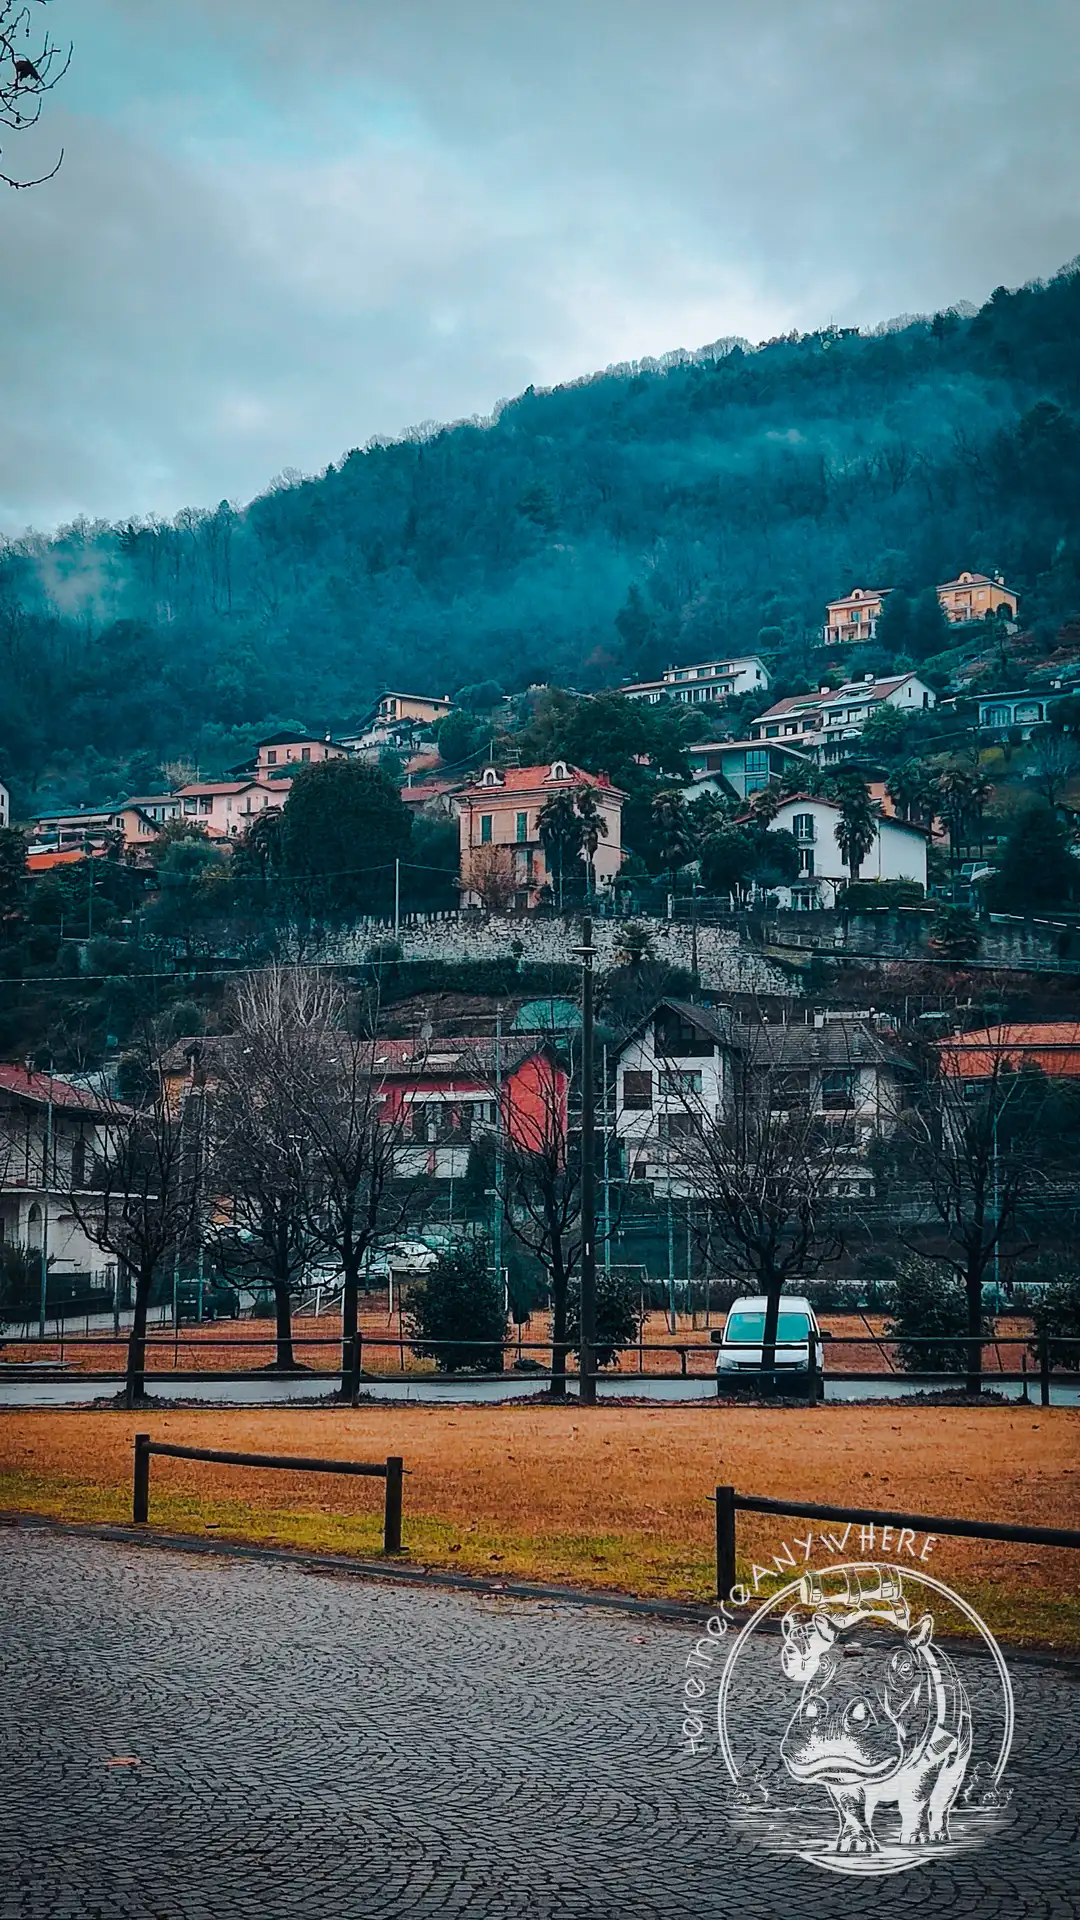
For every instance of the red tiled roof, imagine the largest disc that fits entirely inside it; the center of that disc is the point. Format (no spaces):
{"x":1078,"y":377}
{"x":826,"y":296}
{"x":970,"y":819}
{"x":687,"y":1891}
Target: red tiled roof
{"x":528,"y":779}
{"x":1052,"y":1045}
{"x":40,"y":1087}
{"x":67,"y":857}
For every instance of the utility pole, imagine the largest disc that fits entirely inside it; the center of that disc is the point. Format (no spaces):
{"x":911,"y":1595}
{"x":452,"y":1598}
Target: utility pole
{"x":46,"y":1175}
{"x":607,"y":1171}
{"x":397,"y":898}
{"x":587,"y":1382}
{"x":496,"y":1223}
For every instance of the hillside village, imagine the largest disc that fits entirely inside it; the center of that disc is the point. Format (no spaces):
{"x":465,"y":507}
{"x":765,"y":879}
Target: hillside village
{"x":823,"y":871}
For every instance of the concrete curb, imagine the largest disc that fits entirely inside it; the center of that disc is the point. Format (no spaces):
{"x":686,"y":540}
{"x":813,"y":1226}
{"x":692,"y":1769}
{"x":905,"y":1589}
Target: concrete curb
{"x":668,"y":1612}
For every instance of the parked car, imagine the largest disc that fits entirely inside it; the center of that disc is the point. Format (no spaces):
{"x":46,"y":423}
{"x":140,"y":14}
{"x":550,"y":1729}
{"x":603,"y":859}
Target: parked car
{"x":739,"y":1342}
{"x":218,"y":1301}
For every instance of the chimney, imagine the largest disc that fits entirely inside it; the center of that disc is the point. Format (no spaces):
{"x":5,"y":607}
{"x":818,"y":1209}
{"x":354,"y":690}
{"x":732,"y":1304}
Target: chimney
{"x":824,"y":689}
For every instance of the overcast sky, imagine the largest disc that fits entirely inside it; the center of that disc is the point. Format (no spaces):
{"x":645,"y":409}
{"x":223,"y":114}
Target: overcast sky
{"x":285,"y":225}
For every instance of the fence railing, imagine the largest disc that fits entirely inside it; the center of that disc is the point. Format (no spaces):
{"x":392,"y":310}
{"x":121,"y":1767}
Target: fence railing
{"x":391,"y":1470}
{"x":348,"y":1359}
{"x":729,"y":1503}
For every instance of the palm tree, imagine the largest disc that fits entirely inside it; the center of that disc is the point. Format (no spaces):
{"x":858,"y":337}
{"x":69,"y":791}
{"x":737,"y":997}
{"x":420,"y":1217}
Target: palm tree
{"x":593,"y":830}
{"x":673,"y":830}
{"x":856,"y":829}
{"x":963,"y":792}
{"x":561,"y":836}
{"x":913,"y":789}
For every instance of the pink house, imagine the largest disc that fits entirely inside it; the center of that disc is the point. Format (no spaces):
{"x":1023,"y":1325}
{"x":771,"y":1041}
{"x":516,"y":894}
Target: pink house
{"x":503,"y":862}
{"x":286,"y":752}
{"x":226,"y":808}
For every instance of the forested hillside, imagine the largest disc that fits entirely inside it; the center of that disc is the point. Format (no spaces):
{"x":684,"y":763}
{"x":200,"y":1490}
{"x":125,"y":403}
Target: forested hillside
{"x":650,"y":513}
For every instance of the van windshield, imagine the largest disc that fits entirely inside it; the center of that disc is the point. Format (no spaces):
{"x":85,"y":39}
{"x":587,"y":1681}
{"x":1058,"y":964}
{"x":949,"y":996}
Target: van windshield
{"x":748,"y":1329}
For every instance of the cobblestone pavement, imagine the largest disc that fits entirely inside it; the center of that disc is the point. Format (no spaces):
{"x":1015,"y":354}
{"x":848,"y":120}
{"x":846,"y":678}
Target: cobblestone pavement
{"x":312,"y":1745}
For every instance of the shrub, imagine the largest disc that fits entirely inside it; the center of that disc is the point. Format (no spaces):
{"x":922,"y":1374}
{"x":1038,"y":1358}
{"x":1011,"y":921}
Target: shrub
{"x":954,"y":934}
{"x":1055,"y":1309}
{"x":618,"y":1320}
{"x":862,"y":896}
{"x":930,"y":1304}
{"x":459,"y":1299}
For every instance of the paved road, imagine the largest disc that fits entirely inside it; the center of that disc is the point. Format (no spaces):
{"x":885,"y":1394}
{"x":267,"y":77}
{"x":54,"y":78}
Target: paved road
{"x":312,"y":1745}
{"x":71,"y":1390}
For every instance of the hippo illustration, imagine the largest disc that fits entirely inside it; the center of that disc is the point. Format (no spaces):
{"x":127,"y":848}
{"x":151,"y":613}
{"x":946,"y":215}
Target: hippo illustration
{"x":891,"y":1725}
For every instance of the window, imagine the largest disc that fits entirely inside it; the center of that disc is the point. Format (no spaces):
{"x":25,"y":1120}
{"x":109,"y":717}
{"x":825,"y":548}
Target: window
{"x":680,"y":1080}
{"x":78,"y":1160}
{"x":837,"y":1090}
{"x":757,"y":760}
{"x":771,"y":733}
{"x":806,"y":863}
{"x":678,"y":1126}
{"x":997,"y":717}
{"x":485,"y":829}
{"x":523,"y":826}
{"x":802,"y":826}
{"x":271,"y":756}
{"x":789,"y":1091}
{"x":305,"y":753}
{"x":191,"y":806}
{"x":206,"y":804}
{"x":637,"y":1091}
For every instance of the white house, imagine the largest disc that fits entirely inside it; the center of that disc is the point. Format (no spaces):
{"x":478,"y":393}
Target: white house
{"x":898,"y":852}
{"x":827,"y":722}
{"x":685,"y":1067}
{"x":716,"y":680}
{"x":49,"y":1134}
{"x":674,"y":1066}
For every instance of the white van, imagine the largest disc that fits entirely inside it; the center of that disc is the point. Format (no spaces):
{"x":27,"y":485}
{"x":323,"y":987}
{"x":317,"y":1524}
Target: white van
{"x":744,"y":1330}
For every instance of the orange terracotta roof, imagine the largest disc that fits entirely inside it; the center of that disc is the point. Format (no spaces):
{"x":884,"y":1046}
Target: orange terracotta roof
{"x":68,"y":857}
{"x":40,"y":1088}
{"x":536,"y":779}
{"x":1052,"y":1045}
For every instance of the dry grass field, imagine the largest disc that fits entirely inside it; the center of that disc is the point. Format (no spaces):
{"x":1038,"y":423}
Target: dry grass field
{"x":614,"y":1499}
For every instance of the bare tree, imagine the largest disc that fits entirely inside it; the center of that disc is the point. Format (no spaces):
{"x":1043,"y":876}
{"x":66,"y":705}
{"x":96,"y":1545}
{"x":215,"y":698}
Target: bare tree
{"x":974,"y":1144}
{"x":354,"y":1133}
{"x":764,"y":1169}
{"x":263,"y":1171}
{"x":1055,"y":763}
{"x":489,"y":872}
{"x":141,"y":1202}
{"x":31,"y":65}
{"x":541,"y":1189}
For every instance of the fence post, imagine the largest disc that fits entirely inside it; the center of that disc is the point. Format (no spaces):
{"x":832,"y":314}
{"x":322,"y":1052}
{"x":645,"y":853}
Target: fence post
{"x":812,"y":1375}
{"x":1044,"y":1370}
{"x":725,"y":1541}
{"x":140,"y":1492}
{"x":356,"y":1361}
{"x":395,"y":1467}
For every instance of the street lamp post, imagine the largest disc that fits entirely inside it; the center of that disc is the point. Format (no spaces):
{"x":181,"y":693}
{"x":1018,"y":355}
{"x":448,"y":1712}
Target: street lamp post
{"x":587,"y":1380}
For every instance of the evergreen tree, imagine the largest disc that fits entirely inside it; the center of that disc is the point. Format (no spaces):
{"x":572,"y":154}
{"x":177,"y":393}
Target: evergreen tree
{"x":1037,"y":869}
{"x":930,"y":632}
{"x":460,"y":1299}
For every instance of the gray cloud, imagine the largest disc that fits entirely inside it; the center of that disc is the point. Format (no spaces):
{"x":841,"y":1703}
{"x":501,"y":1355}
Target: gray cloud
{"x":284,"y":225}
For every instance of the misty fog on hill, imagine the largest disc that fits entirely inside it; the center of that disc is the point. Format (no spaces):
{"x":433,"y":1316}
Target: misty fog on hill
{"x":656,"y":512}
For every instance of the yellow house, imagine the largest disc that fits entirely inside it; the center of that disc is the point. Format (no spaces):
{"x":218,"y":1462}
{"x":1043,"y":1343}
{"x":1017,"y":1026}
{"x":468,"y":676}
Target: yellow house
{"x":425,"y":707}
{"x":854,"y":618}
{"x":971,"y":596}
